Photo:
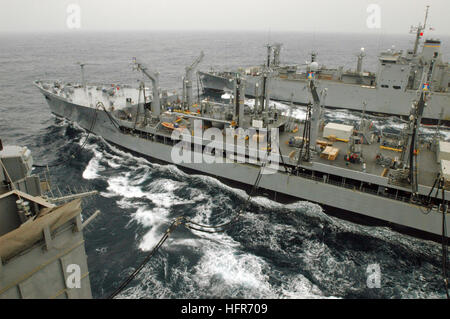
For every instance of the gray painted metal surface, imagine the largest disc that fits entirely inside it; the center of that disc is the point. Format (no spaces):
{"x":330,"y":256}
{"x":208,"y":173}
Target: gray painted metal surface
{"x":322,"y":191}
{"x":42,"y":255}
{"x":42,"y":272}
{"x":390,"y":90}
{"x":344,"y":96}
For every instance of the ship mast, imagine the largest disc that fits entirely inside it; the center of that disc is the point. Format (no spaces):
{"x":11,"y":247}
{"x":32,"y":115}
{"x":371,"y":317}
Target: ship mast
{"x":269,"y":53}
{"x":419,"y":31}
{"x":266,"y":69}
{"x":83,"y":78}
{"x":276,"y":54}
{"x":264,"y":94}
{"x":409,"y":153}
{"x":239,"y":100}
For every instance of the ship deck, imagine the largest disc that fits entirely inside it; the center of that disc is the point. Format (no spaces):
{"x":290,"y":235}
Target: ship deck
{"x":427,"y":161}
{"x":110,"y":95}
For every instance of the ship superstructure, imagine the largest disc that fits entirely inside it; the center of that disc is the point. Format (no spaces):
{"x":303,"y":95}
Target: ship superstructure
{"x":390,"y":178}
{"x":42,"y":251}
{"x":387,"y":90}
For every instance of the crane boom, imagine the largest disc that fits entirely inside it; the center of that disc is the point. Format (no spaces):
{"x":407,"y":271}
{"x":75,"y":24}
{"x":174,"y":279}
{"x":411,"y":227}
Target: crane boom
{"x":154,"y":77}
{"x":187,"y":83}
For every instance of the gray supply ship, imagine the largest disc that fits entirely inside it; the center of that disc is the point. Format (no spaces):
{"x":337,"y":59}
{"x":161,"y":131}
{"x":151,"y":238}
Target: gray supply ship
{"x":389,"y":90}
{"x":398,"y":179}
{"x":42,"y":253}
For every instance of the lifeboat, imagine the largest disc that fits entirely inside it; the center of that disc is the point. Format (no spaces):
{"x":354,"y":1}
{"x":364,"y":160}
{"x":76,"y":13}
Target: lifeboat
{"x":172,"y":126}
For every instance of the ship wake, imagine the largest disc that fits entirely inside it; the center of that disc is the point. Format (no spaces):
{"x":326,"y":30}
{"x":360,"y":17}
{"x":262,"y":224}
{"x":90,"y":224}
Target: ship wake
{"x":274,"y":251}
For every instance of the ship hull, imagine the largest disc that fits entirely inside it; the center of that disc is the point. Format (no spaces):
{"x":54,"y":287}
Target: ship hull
{"x":388,"y":210}
{"x":340,"y":96}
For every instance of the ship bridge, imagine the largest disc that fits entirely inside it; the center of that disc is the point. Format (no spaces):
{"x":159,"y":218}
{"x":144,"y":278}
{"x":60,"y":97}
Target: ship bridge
{"x":394,"y":71}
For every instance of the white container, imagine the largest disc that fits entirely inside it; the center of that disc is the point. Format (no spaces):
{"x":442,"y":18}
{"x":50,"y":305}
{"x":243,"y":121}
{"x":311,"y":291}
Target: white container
{"x":445,"y":169}
{"x":443,"y":151}
{"x":341,"y":131}
{"x":257,"y":123}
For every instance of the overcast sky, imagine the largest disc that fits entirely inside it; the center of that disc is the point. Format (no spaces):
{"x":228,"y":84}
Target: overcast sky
{"x":396,"y":16}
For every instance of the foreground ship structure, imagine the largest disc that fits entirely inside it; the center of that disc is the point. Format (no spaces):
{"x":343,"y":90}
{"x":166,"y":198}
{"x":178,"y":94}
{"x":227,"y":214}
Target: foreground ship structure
{"x":41,"y":238}
{"x":389,"y":90}
{"x":399,"y":179}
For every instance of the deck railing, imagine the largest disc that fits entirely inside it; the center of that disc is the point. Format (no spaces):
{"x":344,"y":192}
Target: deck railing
{"x":354,"y":187}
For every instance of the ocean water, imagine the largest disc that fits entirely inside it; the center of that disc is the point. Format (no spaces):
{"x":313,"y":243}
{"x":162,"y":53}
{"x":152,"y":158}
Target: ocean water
{"x":276,"y":250}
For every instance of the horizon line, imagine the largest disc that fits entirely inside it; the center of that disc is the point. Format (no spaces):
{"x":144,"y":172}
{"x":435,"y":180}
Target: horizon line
{"x":377,"y":32}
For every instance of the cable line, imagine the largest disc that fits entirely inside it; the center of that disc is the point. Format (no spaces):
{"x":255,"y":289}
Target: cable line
{"x":182,"y":220}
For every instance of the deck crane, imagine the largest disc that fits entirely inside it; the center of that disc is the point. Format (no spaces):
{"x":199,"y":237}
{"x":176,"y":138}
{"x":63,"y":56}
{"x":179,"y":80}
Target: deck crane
{"x":312,"y":122}
{"x":154,"y":77}
{"x":187,"y":81}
